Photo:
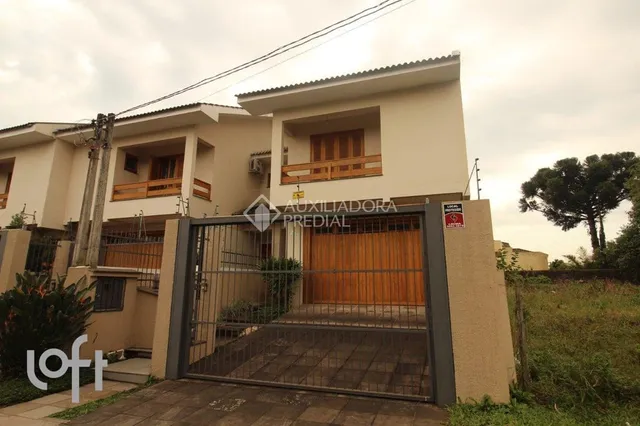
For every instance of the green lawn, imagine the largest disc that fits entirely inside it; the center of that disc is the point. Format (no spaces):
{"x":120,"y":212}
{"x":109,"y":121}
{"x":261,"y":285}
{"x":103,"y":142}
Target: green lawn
{"x":584,"y":349}
{"x":16,"y":390}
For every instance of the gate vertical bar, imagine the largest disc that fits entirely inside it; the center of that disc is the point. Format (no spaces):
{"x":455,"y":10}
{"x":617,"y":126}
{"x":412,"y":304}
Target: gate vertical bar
{"x":180,"y":321}
{"x":437,"y":306}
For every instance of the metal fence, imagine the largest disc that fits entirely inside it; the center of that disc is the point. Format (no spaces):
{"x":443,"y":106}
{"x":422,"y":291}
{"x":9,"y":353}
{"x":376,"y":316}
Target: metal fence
{"x":352,"y":317}
{"x":41,"y":255}
{"x":135,"y":251}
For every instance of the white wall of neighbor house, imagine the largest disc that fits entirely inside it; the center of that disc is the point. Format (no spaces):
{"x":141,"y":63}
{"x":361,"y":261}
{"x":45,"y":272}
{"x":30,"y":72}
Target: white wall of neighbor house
{"x":233,"y":188}
{"x":53,"y":215}
{"x":31,"y":180}
{"x":422,"y":145}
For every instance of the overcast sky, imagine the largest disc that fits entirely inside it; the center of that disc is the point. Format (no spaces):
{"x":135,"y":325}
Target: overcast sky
{"x":541,"y":79}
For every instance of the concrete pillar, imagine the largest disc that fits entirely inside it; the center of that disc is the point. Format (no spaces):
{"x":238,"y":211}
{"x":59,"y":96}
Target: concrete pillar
{"x":14,"y":246}
{"x":165,"y":297}
{"x":61,"y":261}
{"x":277,"y":152}
{"x":294,"y":250}
{"x":480,"y":329}
{"x":189,"y":167}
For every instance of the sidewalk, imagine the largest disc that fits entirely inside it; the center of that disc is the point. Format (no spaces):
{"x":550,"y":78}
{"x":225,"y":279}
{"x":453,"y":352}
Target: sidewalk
{"x":34,"y":413}
{"x":184,"y":402}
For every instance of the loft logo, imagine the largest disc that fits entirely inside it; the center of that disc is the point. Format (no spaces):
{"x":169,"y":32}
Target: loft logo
{"x":75,"y":363}
{"x":260,"y":211}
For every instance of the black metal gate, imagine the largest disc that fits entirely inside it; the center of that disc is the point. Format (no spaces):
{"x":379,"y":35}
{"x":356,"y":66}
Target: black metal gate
{"x":328,"y":301}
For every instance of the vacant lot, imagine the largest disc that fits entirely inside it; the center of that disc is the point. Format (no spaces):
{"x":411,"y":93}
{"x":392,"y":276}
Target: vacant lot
{"x":584,"y":349}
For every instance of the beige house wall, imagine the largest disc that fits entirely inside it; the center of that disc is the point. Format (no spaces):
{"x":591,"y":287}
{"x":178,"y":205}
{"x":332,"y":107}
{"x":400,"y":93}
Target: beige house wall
{"x":422,"y":145}
{"x":53,"y":214}
{"x":108,"y":331}
{"x":31,"y":181}
{"x":527,"y":260}
{"x":481,"y":333}
{"x":234,"y":139}
{"x":14,"y":258}
{"x":144,"y":320}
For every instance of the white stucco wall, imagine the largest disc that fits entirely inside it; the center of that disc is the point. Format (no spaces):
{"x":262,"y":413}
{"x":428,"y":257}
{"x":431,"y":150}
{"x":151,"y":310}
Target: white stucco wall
{"x":422,"y":144}
{"x":30,"y":182}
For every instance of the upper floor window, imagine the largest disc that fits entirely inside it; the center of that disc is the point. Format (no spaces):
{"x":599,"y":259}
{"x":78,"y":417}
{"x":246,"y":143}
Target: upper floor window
{"x":131,"y":163}
{"x":338,"y":146}
{"x":166,"y":167}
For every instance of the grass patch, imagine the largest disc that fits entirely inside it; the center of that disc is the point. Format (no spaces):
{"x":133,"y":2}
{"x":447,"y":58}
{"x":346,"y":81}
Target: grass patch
{"x":16,"y":390}
{"x":80,"y":410}
{"x":584,"y":352}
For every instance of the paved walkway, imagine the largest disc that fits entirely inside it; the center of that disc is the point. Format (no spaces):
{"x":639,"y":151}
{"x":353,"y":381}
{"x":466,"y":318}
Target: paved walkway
{"x":184,"y":403}
{"x":36,"y":412}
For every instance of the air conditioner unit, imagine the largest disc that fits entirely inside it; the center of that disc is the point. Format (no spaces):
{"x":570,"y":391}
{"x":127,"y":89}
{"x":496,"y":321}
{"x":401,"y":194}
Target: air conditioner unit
{"x":255,"y":166}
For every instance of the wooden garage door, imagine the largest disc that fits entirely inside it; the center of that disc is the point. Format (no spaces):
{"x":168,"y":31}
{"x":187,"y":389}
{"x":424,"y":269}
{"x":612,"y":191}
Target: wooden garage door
{"x":374,"y":261}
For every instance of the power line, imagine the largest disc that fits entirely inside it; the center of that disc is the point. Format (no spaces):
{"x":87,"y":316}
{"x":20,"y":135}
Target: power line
{"x":305,"y":51}
{"x":276,"y":52}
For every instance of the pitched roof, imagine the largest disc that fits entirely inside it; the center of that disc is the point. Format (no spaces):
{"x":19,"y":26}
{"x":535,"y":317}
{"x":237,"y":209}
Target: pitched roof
{"x":380,"y":70}
{"x":150,"y":113}
{"x":27,"y":125}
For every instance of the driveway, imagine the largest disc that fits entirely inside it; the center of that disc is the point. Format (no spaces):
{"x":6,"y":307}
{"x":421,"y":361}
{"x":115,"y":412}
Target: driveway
{"x":187,"y":402}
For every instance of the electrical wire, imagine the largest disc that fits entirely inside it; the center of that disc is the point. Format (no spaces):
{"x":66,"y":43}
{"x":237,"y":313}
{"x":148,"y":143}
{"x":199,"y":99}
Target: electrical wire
{"x":276,"y":52}
{"x":305,"y":51}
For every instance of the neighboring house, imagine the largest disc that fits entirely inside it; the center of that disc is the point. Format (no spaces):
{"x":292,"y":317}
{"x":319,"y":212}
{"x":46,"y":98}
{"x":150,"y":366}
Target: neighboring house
{"x":34,"y":174}
{"x":193,"y":151}
{"x":197,"y":153}
{"x":527,"y":260}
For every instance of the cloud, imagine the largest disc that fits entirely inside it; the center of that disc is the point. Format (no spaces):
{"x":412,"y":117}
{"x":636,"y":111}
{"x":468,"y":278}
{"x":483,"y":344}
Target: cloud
{"x":542,"y":79}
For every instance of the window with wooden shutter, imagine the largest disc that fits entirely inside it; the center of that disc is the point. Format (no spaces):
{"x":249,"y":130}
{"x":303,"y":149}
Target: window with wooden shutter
{"x":337,"y":146}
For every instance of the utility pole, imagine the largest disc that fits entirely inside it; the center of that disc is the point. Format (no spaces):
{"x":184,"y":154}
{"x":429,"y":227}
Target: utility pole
{"x":93,"y":250}
{"x":80,"y":249}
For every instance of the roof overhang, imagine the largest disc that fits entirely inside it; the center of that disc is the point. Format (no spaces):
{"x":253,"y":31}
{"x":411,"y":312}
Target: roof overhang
{"x":29,"y":134}
{"x":152,"y":122}
{"x":353,"y":86}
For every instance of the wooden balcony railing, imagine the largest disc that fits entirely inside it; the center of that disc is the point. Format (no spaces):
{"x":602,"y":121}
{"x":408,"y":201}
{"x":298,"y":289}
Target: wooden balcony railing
{"x":202,"y":189}
{"x":148,"y":189}
{"x":3,"y":200}
{"x":334,"y":169}
{"x":158,"y":188}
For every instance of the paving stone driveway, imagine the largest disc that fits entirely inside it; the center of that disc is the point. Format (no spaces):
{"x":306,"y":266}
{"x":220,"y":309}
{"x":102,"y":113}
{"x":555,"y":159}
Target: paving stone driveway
{"x":186,"y":402}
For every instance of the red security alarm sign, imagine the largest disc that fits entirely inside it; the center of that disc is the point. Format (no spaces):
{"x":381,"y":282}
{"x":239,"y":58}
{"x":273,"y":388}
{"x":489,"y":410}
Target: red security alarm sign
{"x":453,"y":215}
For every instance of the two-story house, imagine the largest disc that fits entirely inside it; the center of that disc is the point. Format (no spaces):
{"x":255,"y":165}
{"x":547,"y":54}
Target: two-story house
{"x":393,"y":134}
{"x":190,"y":160}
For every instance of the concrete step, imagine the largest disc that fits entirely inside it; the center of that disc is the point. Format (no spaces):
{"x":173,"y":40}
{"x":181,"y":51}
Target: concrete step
{"x":134,"y":370}
{"x":137,"y":353}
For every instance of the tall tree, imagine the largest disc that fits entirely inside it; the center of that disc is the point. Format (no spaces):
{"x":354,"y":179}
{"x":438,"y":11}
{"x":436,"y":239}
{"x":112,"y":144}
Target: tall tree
{"x":573,"y":192}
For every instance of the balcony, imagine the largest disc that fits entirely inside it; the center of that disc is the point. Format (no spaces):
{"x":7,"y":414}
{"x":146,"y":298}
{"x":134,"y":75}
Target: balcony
{"x":3,"y":200}
{"x":370,"y":165}
{"x":158,"y":188}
